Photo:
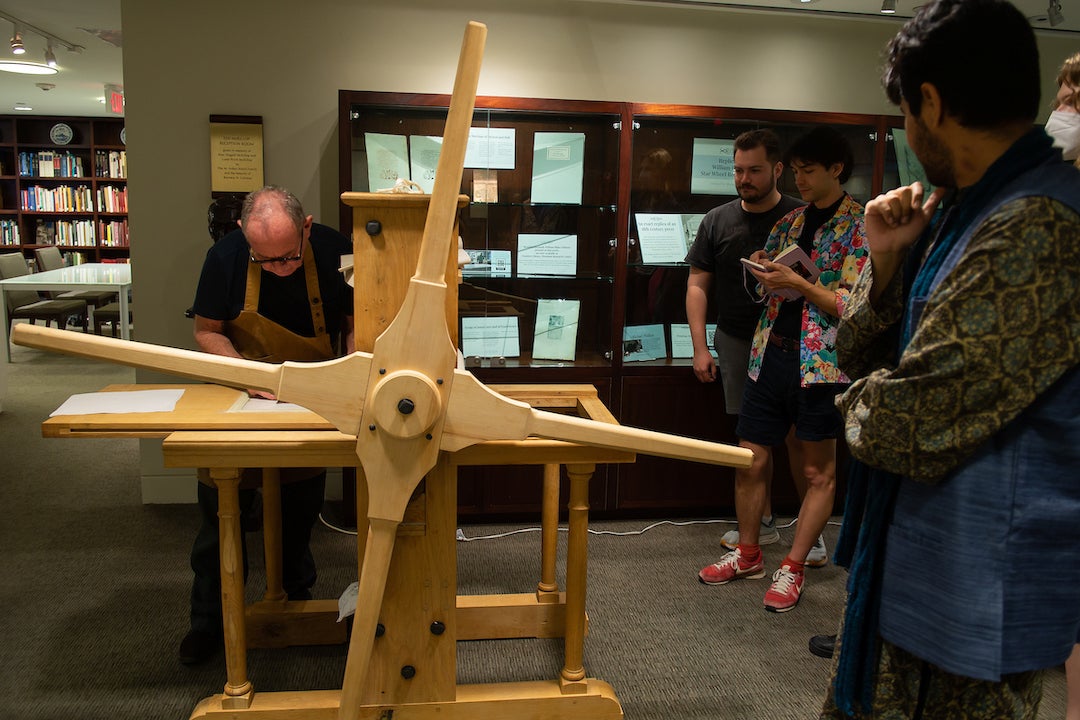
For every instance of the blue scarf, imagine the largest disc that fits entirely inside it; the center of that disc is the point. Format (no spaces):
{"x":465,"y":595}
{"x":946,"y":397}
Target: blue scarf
{"x":871,"y":493}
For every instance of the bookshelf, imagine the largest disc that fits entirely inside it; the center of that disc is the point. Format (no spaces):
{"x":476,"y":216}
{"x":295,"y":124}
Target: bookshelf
{"x":63,"y":182}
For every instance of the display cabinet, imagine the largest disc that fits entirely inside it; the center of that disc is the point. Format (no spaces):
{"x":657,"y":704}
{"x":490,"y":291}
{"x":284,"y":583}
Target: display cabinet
{"x":561,"y":194}
{"x":63,"y":182}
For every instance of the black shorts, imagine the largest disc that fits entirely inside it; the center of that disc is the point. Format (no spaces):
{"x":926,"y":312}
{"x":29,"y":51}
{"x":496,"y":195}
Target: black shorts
{"x":775,"y":401}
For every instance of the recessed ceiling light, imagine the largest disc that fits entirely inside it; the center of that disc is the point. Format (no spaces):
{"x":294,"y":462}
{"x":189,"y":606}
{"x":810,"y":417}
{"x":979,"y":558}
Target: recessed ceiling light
{"x":26,"y":68}
{"x":23,"y":107}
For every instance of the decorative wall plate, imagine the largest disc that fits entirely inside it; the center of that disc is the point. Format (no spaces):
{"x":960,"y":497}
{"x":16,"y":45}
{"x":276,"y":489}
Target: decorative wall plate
{"x":61,"y":134}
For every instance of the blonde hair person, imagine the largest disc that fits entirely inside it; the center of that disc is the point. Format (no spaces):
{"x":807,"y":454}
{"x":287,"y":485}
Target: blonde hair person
{"x":1064,"y":122}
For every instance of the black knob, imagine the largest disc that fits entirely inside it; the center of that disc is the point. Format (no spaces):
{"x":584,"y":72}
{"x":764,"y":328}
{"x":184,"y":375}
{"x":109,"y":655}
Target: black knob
{"x":405,"y":406}
{"x":373,"y":227}
{"x":408,"y":672}
{"x":437,"y":628}
{"x":380,"y":630}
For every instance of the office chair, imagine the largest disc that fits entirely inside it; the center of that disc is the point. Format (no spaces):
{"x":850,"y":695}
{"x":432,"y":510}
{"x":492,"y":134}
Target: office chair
{"x":28,"y":305}
{"x":49,"y":258}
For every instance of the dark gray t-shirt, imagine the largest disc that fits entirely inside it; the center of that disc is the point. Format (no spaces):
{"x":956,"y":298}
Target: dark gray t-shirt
{"x":726,"y":234}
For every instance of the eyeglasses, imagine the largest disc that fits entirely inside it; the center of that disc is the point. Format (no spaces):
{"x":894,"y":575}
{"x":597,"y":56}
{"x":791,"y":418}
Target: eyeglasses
{"x":284,"y":260}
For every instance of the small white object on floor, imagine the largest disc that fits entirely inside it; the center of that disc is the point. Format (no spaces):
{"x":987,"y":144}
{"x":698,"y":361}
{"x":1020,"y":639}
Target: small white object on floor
{"x":346,"y":604}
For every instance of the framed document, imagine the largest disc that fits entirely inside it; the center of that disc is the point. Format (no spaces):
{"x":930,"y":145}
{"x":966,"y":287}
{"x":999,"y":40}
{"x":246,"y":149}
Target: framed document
{"x":490,"y":336}
{"x":556,"y":329}
{"x":643,"y":342}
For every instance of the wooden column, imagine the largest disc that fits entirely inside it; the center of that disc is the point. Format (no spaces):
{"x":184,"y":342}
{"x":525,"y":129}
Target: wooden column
{"x":238,"y":689}
{"x":572,"y":679}
{"x":271,"y":526}
{"x":547,"y":590}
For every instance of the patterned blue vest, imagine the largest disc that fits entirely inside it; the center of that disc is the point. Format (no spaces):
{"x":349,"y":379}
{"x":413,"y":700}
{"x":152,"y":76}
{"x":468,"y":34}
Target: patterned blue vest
{"x":981,"y":575}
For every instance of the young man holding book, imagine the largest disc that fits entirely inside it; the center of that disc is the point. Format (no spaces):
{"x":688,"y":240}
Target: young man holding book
{"x":793,"y":375}
{"x":727,"y":234}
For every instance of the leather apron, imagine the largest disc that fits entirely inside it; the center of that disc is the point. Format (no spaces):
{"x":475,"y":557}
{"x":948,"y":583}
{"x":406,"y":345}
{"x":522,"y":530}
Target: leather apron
{"x":258,"y":338}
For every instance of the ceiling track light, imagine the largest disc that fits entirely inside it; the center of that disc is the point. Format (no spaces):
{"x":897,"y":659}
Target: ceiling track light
{"x":1054,"y":14}
{"x":21,"y":29}
{"x":888,"y":7}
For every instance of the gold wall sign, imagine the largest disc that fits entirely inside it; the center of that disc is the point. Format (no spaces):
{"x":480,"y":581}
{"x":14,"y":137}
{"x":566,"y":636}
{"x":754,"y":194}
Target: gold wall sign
{"x":236,"y":156}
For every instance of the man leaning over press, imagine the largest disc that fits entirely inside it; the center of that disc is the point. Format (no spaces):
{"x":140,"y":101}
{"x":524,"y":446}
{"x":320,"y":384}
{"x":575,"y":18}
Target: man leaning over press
{"x":269,"y":291}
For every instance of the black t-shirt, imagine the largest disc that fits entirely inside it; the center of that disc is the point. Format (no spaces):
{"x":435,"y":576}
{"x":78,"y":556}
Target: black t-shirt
{"x":726,"y":234}
{"x":284,"y":300}
{"x":788,"y":322}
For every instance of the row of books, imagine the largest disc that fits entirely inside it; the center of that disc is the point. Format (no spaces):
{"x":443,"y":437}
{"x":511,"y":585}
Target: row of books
{"x":62,"y":198}
{"x":113,"y":233}
{"x":81,"y":233}
{"x":65,"y":232}
{"x":49,"y":163}
{"x":110,"y":163}
{"x":9,"y":233}
{"x":112,"y":199}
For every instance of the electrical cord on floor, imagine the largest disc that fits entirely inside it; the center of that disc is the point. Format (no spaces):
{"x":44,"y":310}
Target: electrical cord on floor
{"x":335,"y":528}
{"x":462,"y":537}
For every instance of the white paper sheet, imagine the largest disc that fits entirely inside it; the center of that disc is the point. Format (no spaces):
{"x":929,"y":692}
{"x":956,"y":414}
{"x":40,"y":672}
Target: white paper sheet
{"x":682,"y":345}
{"x":713,"y":167}
{"x":558,"y":167}
{"x":490,"y":148}
{"x":544,"y":254}
{"x":128,"y":401}
{"x":490,"y":336}
{"x":662,"y":237}
{"x":424,"y":151}
{"x":555,"y":337}
{"x":387,"y":160}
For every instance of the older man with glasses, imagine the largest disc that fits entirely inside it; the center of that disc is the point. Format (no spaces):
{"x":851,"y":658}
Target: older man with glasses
{"x":269,"y":291}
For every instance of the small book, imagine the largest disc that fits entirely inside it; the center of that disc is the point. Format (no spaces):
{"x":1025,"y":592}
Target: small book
{"x":797,"y":259}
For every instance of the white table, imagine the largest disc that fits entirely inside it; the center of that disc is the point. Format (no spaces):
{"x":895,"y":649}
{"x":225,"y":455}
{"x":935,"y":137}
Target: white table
{"x":110,"y":277}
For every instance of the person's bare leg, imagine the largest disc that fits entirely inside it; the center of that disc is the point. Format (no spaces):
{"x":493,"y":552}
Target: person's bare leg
{"x":819,"y":469}
{"x":1072,"y":685}
{"x":750,"y":490}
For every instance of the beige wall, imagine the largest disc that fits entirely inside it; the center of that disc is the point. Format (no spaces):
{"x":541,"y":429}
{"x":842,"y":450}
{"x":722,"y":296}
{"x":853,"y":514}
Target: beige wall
{"x":286,"y":61}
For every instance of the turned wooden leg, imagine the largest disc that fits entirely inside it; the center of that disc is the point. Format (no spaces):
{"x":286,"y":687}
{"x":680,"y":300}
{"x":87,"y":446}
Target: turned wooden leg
{"x":238,"y":690}
{"x":271,"y":487}
{"x":547,"y":590}
{"x":572,"y":677}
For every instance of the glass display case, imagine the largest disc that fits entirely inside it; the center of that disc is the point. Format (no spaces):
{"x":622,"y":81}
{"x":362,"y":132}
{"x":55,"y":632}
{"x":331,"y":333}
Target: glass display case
{"x":562,"y":287}
{"x":681,"y":169}
{"x":541,"y":225}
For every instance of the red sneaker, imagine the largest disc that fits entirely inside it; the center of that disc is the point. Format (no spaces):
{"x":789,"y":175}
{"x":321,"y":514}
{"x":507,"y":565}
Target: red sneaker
{"x":784,"y":593}
{"x":731,"y":567}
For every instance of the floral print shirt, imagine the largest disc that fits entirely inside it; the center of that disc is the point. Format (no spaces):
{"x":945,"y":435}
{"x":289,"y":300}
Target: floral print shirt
{"x":840,"y":251}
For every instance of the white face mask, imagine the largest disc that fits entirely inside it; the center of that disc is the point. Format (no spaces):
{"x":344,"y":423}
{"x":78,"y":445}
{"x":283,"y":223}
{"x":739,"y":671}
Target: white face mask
{"x":1064,"y":128}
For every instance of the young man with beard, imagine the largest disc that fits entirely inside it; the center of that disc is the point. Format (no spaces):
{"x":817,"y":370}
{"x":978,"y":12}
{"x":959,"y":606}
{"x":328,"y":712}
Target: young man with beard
{"x":793,"y":374}
{"x":964,"y":583}
{"x":728,"y":233}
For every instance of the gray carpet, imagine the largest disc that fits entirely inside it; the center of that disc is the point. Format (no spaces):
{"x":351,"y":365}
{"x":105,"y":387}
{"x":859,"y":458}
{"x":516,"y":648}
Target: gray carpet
{"x":95,"y":600}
